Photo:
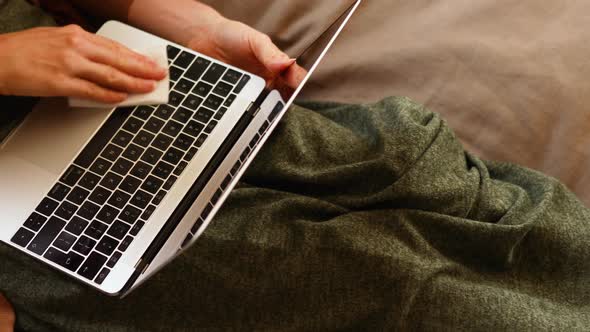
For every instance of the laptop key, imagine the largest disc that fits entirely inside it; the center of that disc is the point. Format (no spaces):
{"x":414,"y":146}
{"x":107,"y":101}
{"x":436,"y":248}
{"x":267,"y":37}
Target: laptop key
{"x":162,"y":142}
{"x":197,"y":69}
{"x":136,"y":228}
{"x":122,"y":139}
{"x":184,"y":86}
{"x":125,"y":243}
{"x":22,"y":237}
{"x":222,"y":89}
{"x":173,"y":156}
{"x":129,"y":214}
{"x":219,"y":114}
{"x":175,"y":98}
{"x":92,"y":265}
{"x":59,"y":191}
{"x":77,"y":225}
{"x":147,"y":213}
{"x":172,"y":51}
{"x":141,"y":199}
{"x":232,"y":76}
{"x":184,"y":142}
{"x":99,"y":195}
{"x":143,"y":112}
{"x":200,"y":140}
{"x":175,"y":73}
{"x":159,"y":197}
{"x":163,"y":170}
{"x":130,"y":184}
{"x":213,"y":102}
{"x":88,"y":210}
{"x":214,"y":72}
{"x":170,"y":182}
{"x":241,"y":84}
{"x":184,"y":59}
{"x":35,"y":221}
{"x":72,"y":175}
{"x":210,"y":126}
{"x":202,"y":89}
{"x":180,"y":168}
{"x":190,"y":154}
{"x":154,"y":125}
{"x":107,"y":245}
{"x":111,"y":152}
{"x":107,"y":214}
{"x":96,"y":229}
{"x":182,"y":115}
{"x":64,"y":241}
{"x":152,"y":184}
{"x":66,"y":210}
{"x":114,"y":259}
{"x":119,"y":199}
{"x":102,"y":275}
{"x":203,"y":115}
{"x":192,"y":102}
{"x":141,"y":170}
{"x":144,"y":138}
{"x":101,"y":166}
{"x":46,"y":235}
{"x":118,"y":230}
{"x":133,"y":125}
{"x":193,"y":128}
{"x":133,"y":152}
{"x":78,"y":195}
{"x":151,"y":156}
{"x":122,"y":166}
{"x":172,"y":128}
{"x":229,"y":100}
{"x":47,"y":206}
{"x":164,"y":111}
{"x":70,"y":261}
{"x":84,"y":245}
{"x":111,"y":181}
{"x":89,"y":181}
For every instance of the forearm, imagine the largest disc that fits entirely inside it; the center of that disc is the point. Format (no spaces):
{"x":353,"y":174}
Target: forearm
{"x":170,"y":19}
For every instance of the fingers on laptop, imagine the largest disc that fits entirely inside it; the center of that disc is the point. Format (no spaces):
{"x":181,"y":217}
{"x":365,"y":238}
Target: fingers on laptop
{"x":113,"y":54}
{"x":80,"y":88}
{"x":106,"y":71}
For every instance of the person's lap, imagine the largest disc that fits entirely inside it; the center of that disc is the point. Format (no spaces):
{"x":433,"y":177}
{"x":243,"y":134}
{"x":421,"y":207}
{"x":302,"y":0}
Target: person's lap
{"x":352,"y":217}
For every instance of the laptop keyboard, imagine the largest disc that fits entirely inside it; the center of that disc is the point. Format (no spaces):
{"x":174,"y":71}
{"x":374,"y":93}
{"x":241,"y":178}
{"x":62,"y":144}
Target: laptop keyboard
{"x":105,"y":197}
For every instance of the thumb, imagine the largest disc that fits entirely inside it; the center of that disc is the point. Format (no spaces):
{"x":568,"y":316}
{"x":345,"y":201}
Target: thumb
{"x":268,"y":54}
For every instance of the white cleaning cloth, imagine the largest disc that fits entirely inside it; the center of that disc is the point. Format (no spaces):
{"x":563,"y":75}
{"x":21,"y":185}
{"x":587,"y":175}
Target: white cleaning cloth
{"x":158,"y":96}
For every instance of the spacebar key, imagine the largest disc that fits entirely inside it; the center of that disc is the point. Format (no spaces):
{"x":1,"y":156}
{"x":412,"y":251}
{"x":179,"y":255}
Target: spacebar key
{"x":46,"y":235}
{"x":103,"y":136}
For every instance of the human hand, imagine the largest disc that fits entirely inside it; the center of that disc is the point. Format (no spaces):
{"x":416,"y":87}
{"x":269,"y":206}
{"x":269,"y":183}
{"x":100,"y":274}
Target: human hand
{"x":71,"y":62}
{"x":6,"y":315}
{"x":244,"y":47}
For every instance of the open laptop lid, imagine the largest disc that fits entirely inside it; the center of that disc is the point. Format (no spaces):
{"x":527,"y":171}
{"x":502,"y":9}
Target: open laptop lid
{"x":309,"y":59}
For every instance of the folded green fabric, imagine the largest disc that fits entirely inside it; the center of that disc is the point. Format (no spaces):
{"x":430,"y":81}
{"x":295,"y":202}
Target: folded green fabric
{"x":352,"y":218}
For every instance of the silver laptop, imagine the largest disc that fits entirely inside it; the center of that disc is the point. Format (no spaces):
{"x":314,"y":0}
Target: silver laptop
{"x":111,"y":196}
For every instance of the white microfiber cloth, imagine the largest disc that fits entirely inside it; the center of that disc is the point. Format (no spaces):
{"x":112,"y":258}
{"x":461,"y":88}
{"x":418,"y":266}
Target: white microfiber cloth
{"x":158,"y":96}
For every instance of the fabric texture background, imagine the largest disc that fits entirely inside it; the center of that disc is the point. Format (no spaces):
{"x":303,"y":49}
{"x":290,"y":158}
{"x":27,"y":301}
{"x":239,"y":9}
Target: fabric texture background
{"x":370,"y":217}
{"x":353,"y":217}
{"x":510,"y":76}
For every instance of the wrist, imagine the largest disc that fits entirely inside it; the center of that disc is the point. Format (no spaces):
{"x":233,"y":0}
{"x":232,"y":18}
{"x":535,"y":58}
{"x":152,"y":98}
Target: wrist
{"x":178,"y":23}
